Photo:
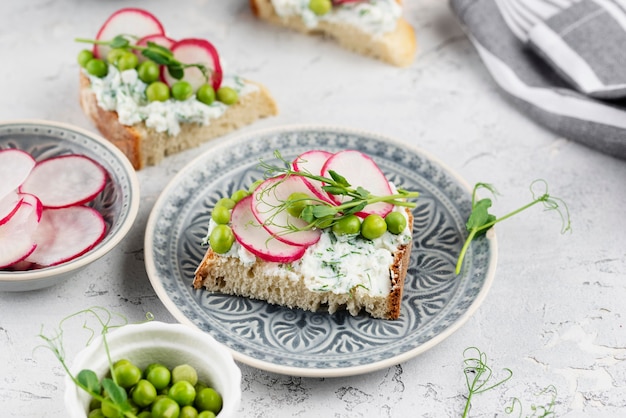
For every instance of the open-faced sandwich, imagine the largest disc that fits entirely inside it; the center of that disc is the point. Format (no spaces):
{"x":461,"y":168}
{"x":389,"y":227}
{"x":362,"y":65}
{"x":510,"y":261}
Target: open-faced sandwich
{"x":153,"y":96}
{"x":374,"y":28}
{"x":309,"y":237}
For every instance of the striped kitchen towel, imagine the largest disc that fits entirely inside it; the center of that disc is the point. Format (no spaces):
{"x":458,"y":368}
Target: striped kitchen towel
{"x":563,"y":62}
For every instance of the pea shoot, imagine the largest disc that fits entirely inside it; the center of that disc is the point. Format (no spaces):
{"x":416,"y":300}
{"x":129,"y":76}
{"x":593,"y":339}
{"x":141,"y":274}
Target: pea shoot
{"x":480,"y":220}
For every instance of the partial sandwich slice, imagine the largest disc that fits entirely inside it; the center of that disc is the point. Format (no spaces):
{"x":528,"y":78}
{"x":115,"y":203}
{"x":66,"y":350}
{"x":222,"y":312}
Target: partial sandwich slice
{"x":386,"y":36}
{"x":313,"y":239}
{"x":153,"y":96}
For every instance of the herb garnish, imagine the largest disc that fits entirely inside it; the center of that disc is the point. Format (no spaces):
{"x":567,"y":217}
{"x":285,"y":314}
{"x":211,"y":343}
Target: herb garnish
{"x":477,"y":375}
{"x":87,"y":379}
{"x":155,"y":52}
{"x":321,"y":214}
{"x":480,"y":220}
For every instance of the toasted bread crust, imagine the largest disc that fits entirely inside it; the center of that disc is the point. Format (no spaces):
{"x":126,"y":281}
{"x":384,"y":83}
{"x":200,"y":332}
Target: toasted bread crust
{"x":145,"y":146}
{"x":229,"y":275}
{"x":397,"y":47}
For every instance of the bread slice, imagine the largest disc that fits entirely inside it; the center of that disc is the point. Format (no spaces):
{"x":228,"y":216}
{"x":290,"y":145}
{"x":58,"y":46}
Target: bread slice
{"x":397,"y":47}
{"x":144,"y":146}
{"x":279,"y":284}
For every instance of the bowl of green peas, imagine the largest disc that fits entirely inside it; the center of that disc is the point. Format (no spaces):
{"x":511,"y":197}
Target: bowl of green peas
{"x":154,"y":370}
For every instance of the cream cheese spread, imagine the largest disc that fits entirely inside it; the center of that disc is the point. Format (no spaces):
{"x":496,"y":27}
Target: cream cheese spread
{"x":338,"y":264}
{"x":373,"y":16}
{"x":124,"y":93}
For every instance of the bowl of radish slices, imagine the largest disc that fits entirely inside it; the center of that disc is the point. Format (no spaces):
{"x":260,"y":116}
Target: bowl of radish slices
{"x":67,"y":197}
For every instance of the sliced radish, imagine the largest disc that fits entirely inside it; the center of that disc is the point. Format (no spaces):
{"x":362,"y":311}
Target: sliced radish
{"x":196,"y":51}
{"x":256,"y":239}
{"x":158,"y":39}
{"x":65,"y":181}
{"x":128,"y":21}
{"x":16,"y":235}
{"x":9,"y":204}
{"x":271,"y":194}
{"x":312,"y":162}
{"x":360,"y":170}
{"x":15,"y":166}
{"x":67,"y":233}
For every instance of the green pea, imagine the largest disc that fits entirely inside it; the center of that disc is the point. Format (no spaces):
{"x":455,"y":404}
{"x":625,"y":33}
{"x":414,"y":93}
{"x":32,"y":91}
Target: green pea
{"x":182,"y":90}
{"x":206,"y":414}
{"x":165,"y":408}
{"x":127,"y":375}
{"x":227,"y":95}
{"x":144,"y":393}
{"x":110,"y":410}
{"x":115,"y":54}
{"x":182,"y":392}
{"x":97,"y":67}
{"x":84,"y":57}
{"x":320,"y":7}
{"x":184,"y":372}
{"x":206,"y":94}
{"x":296,"y":202}
{"x":158,"y":91}
{"x":208,"y":400}
{"x":373,"y":226}
{"x":254,"y":185}
{"x":149,"y":367}
{"x":96,"y":413}
{"x":221,"y":239}
{"x":188,"y":411}
{"x":128,"y":61}
{"x":396,"y":222}
{"x":238,"y":195}
{"x":227,"y":202}
{"x":348,"y":225}
{"x":145,"y":414}
{"x":94,"y":404}
{"x":148,"y":71}
{"x":324,"y":222}
{"x":221,"y":215}
{"x":159,"y":376}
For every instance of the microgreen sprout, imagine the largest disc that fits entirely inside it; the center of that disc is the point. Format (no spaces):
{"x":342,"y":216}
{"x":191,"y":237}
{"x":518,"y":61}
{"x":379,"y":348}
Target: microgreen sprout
{"x":480,"y":220}
{"x":478,"y":374}
{"x":538,"y":411}
{"x":153,"y":51}
{"x":87,"y":379}
{"x":319,"y":213}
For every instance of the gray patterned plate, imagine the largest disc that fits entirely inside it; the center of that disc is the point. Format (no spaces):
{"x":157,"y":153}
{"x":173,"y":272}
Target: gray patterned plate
{"x":436,"y":302}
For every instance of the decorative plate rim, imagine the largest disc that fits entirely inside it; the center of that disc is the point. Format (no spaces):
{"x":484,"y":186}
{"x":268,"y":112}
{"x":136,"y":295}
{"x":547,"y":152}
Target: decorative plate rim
{"x":303,"y":371}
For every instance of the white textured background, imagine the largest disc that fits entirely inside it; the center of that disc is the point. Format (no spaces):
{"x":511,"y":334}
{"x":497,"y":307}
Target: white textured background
{"x":555,"y":312}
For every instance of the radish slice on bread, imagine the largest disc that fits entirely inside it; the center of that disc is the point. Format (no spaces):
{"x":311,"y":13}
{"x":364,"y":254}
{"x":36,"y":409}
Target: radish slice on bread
{"x":360,"y":170}
{"x":64,"y":181}
{"x":312,"y":162}
{"x":128,"y":21}
{"x":256,"y":239}
{"x":271,"y":194}
{"x":67,"y":233}
{"x":158,"y":39}
{"x":196,"y":51}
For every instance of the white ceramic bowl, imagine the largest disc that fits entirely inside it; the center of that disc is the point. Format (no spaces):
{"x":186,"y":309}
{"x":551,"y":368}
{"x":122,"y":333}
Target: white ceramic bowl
{"x":169,"y":344}
{"x":118,"y":202}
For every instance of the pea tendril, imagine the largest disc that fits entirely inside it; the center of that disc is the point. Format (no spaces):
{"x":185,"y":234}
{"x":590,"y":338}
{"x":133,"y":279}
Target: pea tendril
{"x":155,"y":52}
{"x":480,"y":220}
{"x":321,"y":214}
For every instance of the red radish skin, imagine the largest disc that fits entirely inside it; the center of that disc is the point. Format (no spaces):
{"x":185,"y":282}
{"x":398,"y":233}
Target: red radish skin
{"x":15,"y":166}
{"x":360,"y":170}
{"x":16,"y":235}
{"x":9,"y":204}
{"x":312,"y":162}
{"x":64,"y":181}
{"x":272,"y":193}
{"x":126,"y":21}
{"x":253,"y":237}
{"x":66,"y":233}
{"x":196,"y":51}
{"x":158,"y":39}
